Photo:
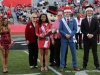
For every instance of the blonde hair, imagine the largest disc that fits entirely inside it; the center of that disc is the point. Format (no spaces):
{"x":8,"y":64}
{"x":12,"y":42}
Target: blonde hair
{"x":33,"y":14}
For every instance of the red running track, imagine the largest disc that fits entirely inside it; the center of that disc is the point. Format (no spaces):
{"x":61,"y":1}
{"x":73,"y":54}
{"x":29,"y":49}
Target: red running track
{"x":17,"y":29}
{"x":15,"y":2}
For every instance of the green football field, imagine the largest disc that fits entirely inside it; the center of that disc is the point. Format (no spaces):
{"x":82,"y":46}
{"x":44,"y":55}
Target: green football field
{"x":18,"y":64}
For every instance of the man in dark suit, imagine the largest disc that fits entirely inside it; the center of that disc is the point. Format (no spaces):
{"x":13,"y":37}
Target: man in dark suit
{"x":89,"y":28}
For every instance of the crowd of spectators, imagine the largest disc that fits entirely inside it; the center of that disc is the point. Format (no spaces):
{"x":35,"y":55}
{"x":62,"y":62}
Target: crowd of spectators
{"x":23,"y":12}
{"x":6,"y":13}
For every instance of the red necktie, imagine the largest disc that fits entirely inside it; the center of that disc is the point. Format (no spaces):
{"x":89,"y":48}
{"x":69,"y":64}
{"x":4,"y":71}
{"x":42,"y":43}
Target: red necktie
{"x":79,"y":20}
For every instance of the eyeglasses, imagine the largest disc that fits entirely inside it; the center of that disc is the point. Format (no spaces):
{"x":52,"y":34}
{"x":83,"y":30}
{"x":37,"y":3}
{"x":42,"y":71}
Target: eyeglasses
{"x":59,"y":15}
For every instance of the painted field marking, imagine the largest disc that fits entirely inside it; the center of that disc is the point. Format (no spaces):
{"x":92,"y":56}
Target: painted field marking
{"x":27,"y":74}
{"x":18,"y":39}
{"x":21,"y":42}
{"x":81,"y":73}
{"x":24,"y":44}
{"x":84,"y":71}
{"x":55,"y":71}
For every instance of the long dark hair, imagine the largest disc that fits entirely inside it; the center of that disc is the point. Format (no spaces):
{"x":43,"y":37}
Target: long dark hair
{"x":40,"y":21}
{"x":2,"y":24}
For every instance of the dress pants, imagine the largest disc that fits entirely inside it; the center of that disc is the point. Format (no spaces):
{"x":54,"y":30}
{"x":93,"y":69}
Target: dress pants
{"x":98,"y":37}
{"x":57,"y":51}
{"x":79,"y":40}
{"x":93,"y":45}
{"x":33,"y":54}
{"x":51,"y":53}
{"x":64,"y":45}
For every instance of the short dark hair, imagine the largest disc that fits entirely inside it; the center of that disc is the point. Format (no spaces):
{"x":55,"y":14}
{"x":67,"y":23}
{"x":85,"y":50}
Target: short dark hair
{"x":40,"y":21}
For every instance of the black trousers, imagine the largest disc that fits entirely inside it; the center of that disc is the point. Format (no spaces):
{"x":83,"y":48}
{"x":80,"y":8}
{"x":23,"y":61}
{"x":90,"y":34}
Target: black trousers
{"x":57,"y":51}
{"x":93,"y":45}
{"x":79,"y":40}
{"x":33,"y":54}
{"x":98,"y":37}
{"x":51,"y":53}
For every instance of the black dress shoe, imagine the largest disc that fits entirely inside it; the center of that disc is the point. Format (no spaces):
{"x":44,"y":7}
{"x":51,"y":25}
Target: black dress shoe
{"x":65,"y":67}
{"x":77,"y":48}
{"x":80,"y":48}
{"x":57,"y":66}
{"x":83,"y":68}
{"x":98,"y":68}
{"x":36,"y":66}
{"x":52,"y":64}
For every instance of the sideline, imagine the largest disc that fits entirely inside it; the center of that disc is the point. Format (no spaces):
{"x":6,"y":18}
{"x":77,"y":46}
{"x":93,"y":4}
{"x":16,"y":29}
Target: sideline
{"x":92,"y":71}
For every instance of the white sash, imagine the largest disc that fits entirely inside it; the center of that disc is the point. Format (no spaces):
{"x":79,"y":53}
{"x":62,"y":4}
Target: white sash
{"x":69,"y":30}
{"x":47,"y":38}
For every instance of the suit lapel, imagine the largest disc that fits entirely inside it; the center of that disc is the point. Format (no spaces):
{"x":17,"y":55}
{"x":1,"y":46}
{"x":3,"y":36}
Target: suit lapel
{"x":66,"y":21}
{"x":91,"y":22}
{"x":70,"y":20}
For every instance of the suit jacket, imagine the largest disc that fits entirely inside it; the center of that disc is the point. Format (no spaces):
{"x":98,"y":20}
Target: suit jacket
{"x":93,"y":29}
{"x":63,"y":30}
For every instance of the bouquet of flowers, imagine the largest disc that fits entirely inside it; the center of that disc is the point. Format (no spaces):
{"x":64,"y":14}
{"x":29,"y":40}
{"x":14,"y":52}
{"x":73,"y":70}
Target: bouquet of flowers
{"x":55,"y":31}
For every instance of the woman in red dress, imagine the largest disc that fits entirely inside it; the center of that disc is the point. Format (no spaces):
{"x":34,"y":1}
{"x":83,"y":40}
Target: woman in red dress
{"x":43,"y":30}
{"x":5,"y":42}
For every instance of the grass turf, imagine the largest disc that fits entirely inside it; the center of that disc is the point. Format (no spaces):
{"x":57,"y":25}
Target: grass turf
{"x":18,"y":64}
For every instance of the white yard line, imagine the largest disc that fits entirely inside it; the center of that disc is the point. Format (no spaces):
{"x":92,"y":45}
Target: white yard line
{"x":20,"y":42}
{"x":84,"y":71}
{"x":24,"y":44}
{"x":27,"y":74}
{"x":55,"y":71}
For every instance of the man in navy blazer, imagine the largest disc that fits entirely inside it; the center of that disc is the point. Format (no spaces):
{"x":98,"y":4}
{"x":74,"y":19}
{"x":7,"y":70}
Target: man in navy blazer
{"x":68,"y":29}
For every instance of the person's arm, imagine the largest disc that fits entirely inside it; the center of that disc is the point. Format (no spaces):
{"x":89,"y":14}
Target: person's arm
{"x":74,"y":29}
{"x":1,"y":47}
{"x":10,"y":37}
{"x":61,"y":29}
{"x":37,"y":30}
{"x":49,"y":32}
{"x":52,"y":35}
{"x":83,"y":29}
{"x":26,"y":32}
{"x":97,"y":27}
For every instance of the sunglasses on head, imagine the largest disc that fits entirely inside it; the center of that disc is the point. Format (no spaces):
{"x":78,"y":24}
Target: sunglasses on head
{"x":35,"y":17}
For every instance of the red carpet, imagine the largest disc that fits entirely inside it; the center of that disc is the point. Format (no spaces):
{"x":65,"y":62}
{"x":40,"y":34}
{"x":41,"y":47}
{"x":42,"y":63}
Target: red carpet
{"x":17,"y":29}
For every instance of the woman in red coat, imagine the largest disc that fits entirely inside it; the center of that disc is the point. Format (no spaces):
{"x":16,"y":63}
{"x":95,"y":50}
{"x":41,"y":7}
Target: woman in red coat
{"x":31,"y":40}
{"x":43,"y":30}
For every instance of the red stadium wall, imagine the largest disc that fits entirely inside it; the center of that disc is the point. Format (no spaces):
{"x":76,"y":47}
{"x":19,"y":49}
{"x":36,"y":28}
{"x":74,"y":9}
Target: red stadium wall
{"x":15,"y":2}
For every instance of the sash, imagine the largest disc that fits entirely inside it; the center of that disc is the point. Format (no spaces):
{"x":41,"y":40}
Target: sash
{"x":79,"y":23}
{"x":47,"y":38}
{"x":69,"y":30}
